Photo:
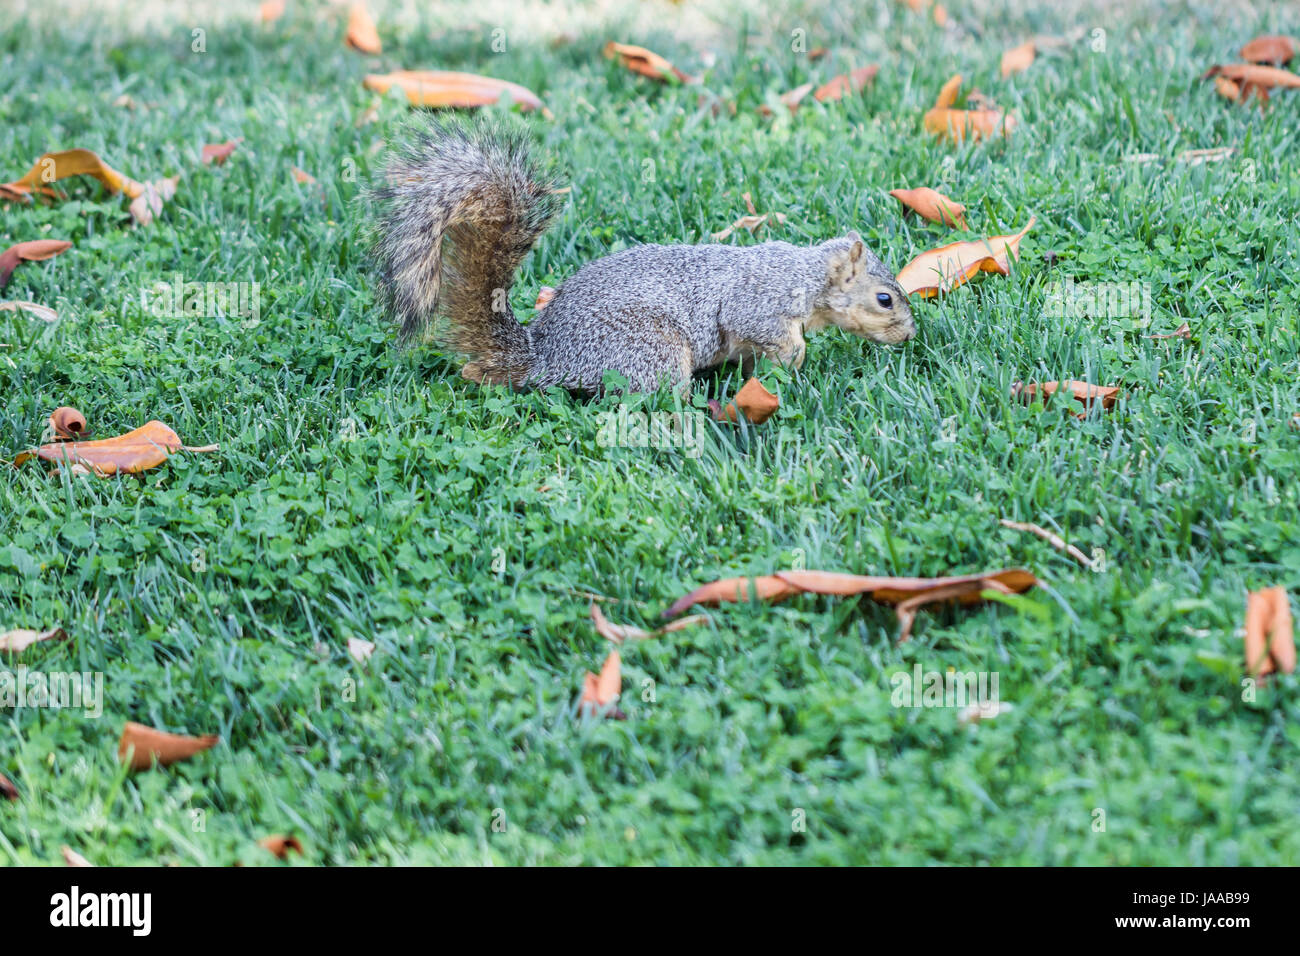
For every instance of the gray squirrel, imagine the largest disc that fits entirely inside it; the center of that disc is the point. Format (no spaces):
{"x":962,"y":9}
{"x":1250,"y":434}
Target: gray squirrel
{"x":463,"y":202}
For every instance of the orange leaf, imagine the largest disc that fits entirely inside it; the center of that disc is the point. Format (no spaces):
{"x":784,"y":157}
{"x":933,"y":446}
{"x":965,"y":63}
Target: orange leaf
{"x":600,"y":692}
{"x":146,"y":447}
{"x":945,"y":268}
{"x":948,"y":92}
{"x":544,"y":296}
{"x":943,"y":120}
{"x":846,"y":83}
{"x":20,"y":640}
{"x":280,"y":845}
{"x":1019,"y":59}
{"x":149,"y":744}
{"x":1083,"y":392}
{"x":1270,"y":637}
{"x":646,"y":62}
{"x":67,"y":422}
{"x":7,"y":789}
{"x":362,"y":34}
{"x":301,"y":177}
{"x":907,"y":594}
{"x":1269,"y":48}
{"x":272,"y":10}
{"x":52,"y":167}
{"x":437,"y":88}
{"x":34,"y":250}
{"x":932,"y":205}
{"x":1265,"y":77}
{"x":618,"y":633}
{"x":220,"y":152}
{"x":753,"y":399}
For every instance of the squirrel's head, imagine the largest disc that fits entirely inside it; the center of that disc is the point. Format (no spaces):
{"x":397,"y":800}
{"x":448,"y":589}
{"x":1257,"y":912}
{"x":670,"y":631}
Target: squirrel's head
{"x":862,"y":295}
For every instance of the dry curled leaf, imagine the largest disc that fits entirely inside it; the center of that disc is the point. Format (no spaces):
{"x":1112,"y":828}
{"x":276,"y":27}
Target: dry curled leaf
{"x":646,"y":62}
{"x":280,"y":846}
{"x":42,"y":312}
{"x":218,"y":153}
{"x":141,"y":745}
{"x":52,"y":167}
{"x":362,"y":34}
{"x":443,"y":88}
{"x":619,"y":633}
{"x":932,"y":205}
{"x":7,"y":789}
{"x":1084,"y":392}
{"x":152,"y":196}
{"x":34,"y":250}
{"x":851,"y":82}
{"x":299,"y":176}
{"x":1270,"y":636}
{"x":1055,"y":540}
{"x":146,"y":447}
{"x":943,"y":120}
{"x":1264,"y":77}
{"x":599,"y":692}
{"x":1019,"y":59}
{"x":907,"y":595}
{"x":19,"y":640}
{"x":1269,"y":48}
{"x":67,"y":422}
{"x":359,"y":649}
{"x":271,"y":10}
{"x":72,"y":858}
{"x":753,"y":399}
{"x":945,"y":268}
{"x":544,"y":296}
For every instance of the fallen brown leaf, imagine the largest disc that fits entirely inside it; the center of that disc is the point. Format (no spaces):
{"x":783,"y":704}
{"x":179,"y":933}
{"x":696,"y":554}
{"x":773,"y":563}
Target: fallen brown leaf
{"x":272,"y":10}
{"x":359,"y":649}
{"x":1270,"y":636}
{"x":852,"y":82}
{"x":932,"y":205}
{"x":1055,"y":540}
{"x":945,"y":268}
{"x":301,"y":177}
{"x":218,"y":153}
{"x":43,"y":312}
{"x":646,"y":62}
{"x":618,"y":633}
{"x":7,"y":789}
{"x":544,"y":296}
{"x":150,"y":201}
{"x":905,"y":594}
{"x":600,"y":692}
{"x":67,"y":422}
{"x":442,"y":88}
{"x":19,"y":640}
{"x":1265,"y":77}
{"x":34,"y":250}
{"x":362,"y":34}
{"x":1019,"y":59}
{"x":52,"y":167}
{"x":141,"y":745}
{"x":1083,"y":392}
{"x":146,"y":447}
{"x":72,"y":858}
{"x":943,"y":120}
{"x":1269,"y":48}
{"x":753,"y":399}
{"x":280,"y":846}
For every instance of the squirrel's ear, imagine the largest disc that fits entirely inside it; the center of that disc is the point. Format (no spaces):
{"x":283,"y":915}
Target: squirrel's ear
{"x":846,"y":264}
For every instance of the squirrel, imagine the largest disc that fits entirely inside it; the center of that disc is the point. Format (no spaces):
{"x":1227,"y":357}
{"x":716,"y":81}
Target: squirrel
{"x":462,"y":203}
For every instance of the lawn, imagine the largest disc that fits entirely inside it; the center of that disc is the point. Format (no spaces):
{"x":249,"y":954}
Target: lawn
{"x":366,"y":491}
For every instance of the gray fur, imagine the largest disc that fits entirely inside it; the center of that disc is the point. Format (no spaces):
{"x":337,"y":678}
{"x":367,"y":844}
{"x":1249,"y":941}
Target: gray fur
{"x":465,"y":203}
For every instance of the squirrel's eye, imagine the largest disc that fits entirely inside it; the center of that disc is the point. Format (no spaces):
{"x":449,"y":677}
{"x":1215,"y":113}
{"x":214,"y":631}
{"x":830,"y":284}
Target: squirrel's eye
{"x":884,"y":300}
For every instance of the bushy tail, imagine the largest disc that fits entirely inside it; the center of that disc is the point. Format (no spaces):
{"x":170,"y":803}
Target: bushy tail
{"x":462,"y":203}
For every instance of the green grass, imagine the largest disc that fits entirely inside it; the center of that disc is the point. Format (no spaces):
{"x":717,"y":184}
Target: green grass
{"x":363,"y":491}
